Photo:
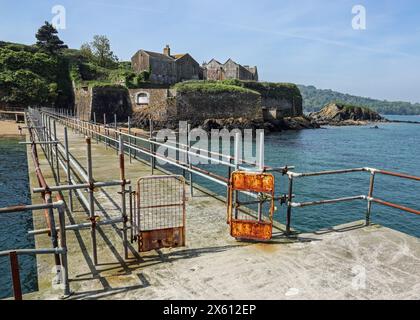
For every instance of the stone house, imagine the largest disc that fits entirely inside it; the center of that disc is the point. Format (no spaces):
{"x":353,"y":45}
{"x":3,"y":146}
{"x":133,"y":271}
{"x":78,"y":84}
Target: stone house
{"x":214,"y":70}
{"x":166,"y":68}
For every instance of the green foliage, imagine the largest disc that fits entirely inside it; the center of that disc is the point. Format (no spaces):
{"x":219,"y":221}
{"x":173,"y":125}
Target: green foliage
{"x":24,"y":88}
{"x":99,"y":52}
{"x":275,"y":90}
{"x":31,"y":77}
{"x":75,"y":73}
{"x":38,"y":62}
{"x":86,"y":52}
{"x":353,"y":108}
{"x":315,"y":99}
{"x":47,"y":39}
{"x":126,"y":65}
{"x":210,"y":87}
{"x":18,"y":47}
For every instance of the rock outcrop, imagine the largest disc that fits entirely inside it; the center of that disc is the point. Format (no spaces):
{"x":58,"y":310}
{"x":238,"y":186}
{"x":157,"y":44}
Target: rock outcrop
{"x":338,"y":114}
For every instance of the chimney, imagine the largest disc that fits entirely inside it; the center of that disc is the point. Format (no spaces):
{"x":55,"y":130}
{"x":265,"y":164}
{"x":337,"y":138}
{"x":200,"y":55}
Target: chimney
{"x":167,"y":50}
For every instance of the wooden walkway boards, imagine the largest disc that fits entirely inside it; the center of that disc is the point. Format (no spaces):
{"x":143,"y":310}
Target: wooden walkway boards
{"x":349,"y":262}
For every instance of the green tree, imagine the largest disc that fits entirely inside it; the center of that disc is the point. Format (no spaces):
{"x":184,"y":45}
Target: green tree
{"x":101,"y":48}
{"x":86,"y":51}
{"x":47,"y":39}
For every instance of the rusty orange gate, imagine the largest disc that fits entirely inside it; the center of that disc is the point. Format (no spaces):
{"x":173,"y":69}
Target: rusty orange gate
{"x":160,"y":212}
{"x":251,"y":205}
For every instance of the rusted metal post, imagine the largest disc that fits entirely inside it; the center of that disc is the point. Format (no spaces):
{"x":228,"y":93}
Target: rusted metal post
{"x":289,"y":205}
{"x":14,"y":266}
{"x":370,"y":195}
{"x":66,"y":148}
{"x":123,"y":200}
{"x":92,"y":216}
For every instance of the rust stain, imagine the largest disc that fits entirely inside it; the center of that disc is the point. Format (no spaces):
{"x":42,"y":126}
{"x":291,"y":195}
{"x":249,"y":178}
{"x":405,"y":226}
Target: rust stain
{"x":251,"y":229}
{"x":163,"y":238}
{"x":262,"y":182}
{"x":269,"y":248}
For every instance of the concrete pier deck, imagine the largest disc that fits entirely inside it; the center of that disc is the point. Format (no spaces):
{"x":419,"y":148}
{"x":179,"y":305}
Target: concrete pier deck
{"x":347,"y":262}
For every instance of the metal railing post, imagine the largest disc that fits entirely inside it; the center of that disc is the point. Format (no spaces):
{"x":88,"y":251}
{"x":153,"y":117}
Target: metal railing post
{"x":66,"y":148}
{"x":370,"y":195}
{"x":129,"y":139}
{"x":189,"y":159}
{"x":50,"y":139}
{"x":151,"y":145}
{"x":53,"y":229}
{"x":261,"y":167}
{"x":237,"y":160}
{"x":56,"y":152}
{"x":14,"y":266}
{"x":289,"y":206}
{"x":63,"y":245}
{"x":123,"y":200}
{"x":130,"y":193}
{"x":92,"y":216}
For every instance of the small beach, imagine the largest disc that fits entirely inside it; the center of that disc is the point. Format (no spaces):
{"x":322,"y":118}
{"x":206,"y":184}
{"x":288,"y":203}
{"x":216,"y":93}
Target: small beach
{"x":9,"y":128}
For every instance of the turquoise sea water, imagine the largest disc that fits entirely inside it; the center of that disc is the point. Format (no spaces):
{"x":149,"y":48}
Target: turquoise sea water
{"x":14,"y":189}
{"x":394,"y":147}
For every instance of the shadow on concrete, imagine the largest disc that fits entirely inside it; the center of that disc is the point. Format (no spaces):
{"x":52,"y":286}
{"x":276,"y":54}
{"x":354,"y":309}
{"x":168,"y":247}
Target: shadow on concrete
{"x":159,"y":258}
{"x":97,"y":294}
{"x":345,"y":228}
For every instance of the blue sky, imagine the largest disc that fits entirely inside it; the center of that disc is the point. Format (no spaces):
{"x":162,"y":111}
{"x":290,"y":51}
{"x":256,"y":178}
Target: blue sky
{"x":300,"y":41}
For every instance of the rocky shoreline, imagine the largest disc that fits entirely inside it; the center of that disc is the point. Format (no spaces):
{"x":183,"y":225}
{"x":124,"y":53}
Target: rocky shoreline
{"x":333,"y":114}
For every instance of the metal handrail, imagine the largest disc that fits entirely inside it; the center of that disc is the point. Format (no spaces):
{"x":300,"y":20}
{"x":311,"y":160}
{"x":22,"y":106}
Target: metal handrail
{"x":369,"y":197}
{"x":180,"y":146}
{"x":69,"y":163}
{"x":57,"y":250}
{"x":81,"y":125}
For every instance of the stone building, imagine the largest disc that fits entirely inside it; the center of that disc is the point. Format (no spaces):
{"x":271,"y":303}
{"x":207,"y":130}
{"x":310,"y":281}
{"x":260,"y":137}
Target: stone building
{"x":214,"y":70}
{"x":165,"y":68}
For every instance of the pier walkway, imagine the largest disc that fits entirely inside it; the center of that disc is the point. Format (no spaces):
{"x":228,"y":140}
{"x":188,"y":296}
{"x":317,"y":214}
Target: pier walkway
{"x":346,"y":262}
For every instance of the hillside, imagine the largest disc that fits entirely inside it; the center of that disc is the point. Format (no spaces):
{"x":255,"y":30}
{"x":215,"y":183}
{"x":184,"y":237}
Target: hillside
{"x":30,"y":76}
{"x":315,"y":99}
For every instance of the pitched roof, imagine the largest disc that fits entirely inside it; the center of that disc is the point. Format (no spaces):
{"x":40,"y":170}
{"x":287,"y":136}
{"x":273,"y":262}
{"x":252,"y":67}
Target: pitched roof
{"x":230,"y":60}
{"x":178,"y":56}
{"x":158,"y":55}
{"x":213,"y":60}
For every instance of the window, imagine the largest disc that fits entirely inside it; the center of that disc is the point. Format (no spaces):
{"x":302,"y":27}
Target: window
{"x":142,"y":98}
